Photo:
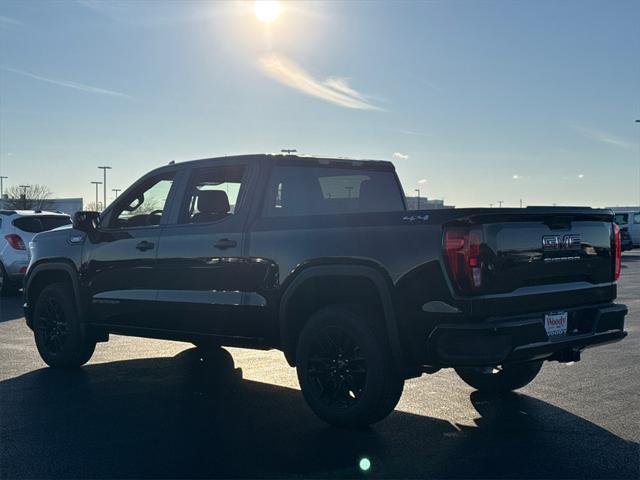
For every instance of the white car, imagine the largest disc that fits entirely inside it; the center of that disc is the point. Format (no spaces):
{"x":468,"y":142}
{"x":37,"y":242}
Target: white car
{"x":17,"y":229}
{"x":629,"y":218}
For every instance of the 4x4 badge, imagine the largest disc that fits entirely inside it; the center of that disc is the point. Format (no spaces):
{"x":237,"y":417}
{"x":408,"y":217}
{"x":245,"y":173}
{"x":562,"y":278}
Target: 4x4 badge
{"x":413,"y":218}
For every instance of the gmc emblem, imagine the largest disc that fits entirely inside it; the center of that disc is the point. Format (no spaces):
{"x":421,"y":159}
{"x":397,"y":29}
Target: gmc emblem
{"x":559,"y":242}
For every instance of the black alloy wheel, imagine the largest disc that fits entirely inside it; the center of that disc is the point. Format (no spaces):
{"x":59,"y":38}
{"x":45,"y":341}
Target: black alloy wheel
{"x":501,"y":378}
{"x":62,"y":338}
{"x":52,"y":326}
{"x":345,"y":368}
{"x":337,"y":368}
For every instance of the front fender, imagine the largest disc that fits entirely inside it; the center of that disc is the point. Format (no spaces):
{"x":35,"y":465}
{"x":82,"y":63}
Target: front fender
{"x":41,"y":268}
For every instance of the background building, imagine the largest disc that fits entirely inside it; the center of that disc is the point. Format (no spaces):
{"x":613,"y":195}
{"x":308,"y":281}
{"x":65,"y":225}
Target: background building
{"x":426,"y":203}
{"x":66,"y":205}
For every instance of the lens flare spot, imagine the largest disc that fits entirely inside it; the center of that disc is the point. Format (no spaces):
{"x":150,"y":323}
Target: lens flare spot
{"x":267,"y":10}
{"x":365,"y":464}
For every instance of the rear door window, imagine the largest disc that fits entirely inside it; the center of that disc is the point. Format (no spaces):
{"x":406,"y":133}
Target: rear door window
{"x":212,"y":194}
{"x":40,"y":223}
{"x":300,"y":190}
{"x":622,"y":218}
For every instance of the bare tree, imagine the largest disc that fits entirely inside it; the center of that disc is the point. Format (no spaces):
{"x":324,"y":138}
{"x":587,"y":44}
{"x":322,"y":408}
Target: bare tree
{"x":31,"y":197}
{"x":93,"y":207}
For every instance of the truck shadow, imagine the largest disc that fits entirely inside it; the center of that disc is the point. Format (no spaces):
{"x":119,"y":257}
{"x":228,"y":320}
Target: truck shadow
{"x":10,"y":308}
{"x":195,"y":416}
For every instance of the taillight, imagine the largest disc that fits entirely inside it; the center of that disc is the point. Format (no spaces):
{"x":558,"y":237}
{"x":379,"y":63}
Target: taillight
{"x":462,"y":252}
{"x":617,"y":247}
{"x":15,"y":241}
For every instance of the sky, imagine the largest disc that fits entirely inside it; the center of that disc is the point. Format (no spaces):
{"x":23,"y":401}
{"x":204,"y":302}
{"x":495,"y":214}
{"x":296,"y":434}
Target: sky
{"x":475,"y":102}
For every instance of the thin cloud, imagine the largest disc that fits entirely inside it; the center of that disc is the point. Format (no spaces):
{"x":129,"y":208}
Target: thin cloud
{"x":161,"y":14}
{"x":400,"y":156}
{"x":66,"y":83}
{"x":342,"y":85}
{"x":10,"y":22}
{"x":432,"y":86}
{"x":581,"y":175}
{"x":422,"y":181}
{"x":604,"y":137}
{"x":413,"y":132}
{"x":111,"y":10}
{"x":333,"y":90}
{"x":516,"y":177}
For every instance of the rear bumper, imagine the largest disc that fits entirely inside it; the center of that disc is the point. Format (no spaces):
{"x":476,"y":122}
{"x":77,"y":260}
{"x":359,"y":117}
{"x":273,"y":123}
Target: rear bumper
{"x":503,"y":340}
{"x":16,"y":270}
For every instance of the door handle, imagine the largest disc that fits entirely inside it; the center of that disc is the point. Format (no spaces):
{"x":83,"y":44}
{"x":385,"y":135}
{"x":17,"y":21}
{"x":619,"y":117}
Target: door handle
{"x":144,"y":245}
{"x":225,"y":243}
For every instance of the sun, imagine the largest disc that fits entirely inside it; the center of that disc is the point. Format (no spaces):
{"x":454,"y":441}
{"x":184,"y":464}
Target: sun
{"x":267,"y":10}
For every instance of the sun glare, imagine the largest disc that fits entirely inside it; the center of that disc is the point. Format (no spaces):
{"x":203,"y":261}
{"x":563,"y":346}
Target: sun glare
{"x":267,"y":10}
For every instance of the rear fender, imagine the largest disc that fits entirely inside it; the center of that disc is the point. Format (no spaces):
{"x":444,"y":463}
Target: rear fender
{"x":384,"y":289}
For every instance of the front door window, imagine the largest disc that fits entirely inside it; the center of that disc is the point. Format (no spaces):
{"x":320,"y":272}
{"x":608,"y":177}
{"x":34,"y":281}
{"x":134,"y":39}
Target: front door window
{"x":145,"y":205}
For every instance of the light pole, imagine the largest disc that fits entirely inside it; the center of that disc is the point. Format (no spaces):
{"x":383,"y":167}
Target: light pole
{"x":96,"y":184}
{"x":418,"y":190}
{"x":104,"y":186}
{"x":2,"y":177}
{"x":638,"y":121}
{"x":117,"y":190}
{"x":349,"y":190}
{"x":24,"y":195}
{"x":500,"y":202}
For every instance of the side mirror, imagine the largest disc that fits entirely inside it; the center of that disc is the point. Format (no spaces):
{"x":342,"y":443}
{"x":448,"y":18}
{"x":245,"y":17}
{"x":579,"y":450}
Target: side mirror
{"x":85,"y":221}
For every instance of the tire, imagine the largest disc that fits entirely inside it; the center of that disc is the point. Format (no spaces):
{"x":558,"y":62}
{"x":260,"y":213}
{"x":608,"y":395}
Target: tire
{"x":505,"y":379}
{"x":345,"y":368}
{"x":60,"y":335}
{"x":7,"y":287}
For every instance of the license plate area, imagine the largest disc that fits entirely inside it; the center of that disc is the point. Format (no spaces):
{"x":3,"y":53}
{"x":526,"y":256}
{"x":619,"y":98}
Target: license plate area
{"x":555,"y":324}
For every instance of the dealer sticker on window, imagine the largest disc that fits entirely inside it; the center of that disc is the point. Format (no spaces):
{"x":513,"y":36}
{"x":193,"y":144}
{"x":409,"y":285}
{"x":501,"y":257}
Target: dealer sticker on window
{"x":556,"y":323}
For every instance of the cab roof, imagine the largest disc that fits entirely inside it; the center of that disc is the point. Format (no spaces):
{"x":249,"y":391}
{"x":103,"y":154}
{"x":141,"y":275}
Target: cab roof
{"x":310,"y":159}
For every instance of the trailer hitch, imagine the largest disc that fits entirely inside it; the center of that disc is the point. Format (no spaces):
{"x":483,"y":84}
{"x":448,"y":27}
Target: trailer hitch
{"x":568,"y":355}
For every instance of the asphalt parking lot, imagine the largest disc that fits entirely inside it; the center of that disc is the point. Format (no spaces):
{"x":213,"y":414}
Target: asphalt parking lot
{"x":145,"y":408}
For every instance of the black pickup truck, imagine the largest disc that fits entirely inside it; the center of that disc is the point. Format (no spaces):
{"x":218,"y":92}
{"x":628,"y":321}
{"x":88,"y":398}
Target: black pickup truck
{"x":320,"y":258}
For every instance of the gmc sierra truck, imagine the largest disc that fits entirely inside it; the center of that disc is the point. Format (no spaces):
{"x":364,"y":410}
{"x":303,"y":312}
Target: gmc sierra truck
{"x":320,"y":258}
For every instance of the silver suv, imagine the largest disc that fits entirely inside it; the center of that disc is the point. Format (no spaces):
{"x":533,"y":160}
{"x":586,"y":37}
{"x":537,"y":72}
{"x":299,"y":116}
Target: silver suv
{"x":17,"y":229}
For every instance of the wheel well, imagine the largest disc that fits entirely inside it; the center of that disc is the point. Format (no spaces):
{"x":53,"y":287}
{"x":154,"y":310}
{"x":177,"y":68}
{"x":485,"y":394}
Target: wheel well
{"x":44,"y":278}
{"x":318,"y":292}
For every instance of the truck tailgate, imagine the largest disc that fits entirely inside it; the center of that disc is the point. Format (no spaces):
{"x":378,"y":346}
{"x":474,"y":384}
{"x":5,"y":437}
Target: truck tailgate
{"x":536,"y":252}
{"x":562,"y":256}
